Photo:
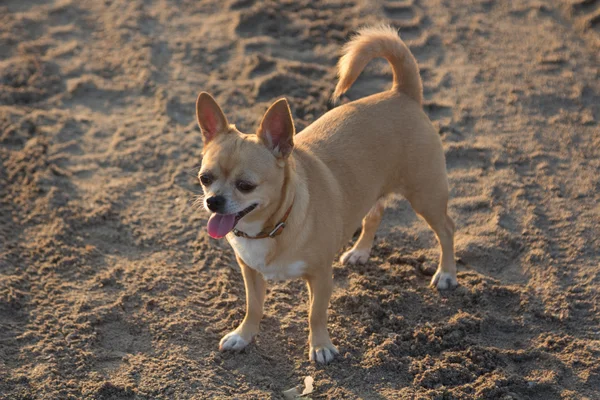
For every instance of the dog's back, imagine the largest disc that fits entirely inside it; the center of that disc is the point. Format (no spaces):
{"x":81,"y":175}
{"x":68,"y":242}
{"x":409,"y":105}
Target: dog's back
{"x":377,"y":138}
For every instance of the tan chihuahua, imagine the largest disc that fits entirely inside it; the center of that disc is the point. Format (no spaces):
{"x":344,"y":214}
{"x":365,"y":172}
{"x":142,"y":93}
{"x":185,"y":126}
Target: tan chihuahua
{"x":288,"y":203}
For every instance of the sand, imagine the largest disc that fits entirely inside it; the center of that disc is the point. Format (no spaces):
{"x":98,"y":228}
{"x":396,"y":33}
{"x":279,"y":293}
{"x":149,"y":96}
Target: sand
{"x":110,"y":287}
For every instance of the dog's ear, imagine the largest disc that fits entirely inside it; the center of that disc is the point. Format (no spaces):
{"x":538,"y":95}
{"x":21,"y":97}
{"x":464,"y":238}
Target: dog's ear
{"x":211,"y":119}
{"x":277,"y":129}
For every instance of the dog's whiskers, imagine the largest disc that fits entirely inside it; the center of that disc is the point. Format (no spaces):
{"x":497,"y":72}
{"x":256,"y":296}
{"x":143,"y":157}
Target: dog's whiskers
{"x":197,"y":201}
{"x":193,"y":171}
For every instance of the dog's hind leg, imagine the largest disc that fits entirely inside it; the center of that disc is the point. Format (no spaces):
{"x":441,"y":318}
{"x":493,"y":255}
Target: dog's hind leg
{"x":360,"y":252}
{"x":434,"y":211}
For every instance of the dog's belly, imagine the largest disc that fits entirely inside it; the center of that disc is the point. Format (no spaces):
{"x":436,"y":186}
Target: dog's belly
{"x":275,"y":272}
{"x":254,"y":253}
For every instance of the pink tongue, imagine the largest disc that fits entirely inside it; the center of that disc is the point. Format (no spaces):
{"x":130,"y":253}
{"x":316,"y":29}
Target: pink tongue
{"x":220,"y":225}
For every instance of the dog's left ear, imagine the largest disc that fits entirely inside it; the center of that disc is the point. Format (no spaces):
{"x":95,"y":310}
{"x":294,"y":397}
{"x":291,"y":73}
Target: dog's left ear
{"x":211,"y":119}
{"x":277,"y":129}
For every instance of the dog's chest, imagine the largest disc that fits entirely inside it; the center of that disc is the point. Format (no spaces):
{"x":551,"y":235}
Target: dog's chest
{"x":255,"y":253}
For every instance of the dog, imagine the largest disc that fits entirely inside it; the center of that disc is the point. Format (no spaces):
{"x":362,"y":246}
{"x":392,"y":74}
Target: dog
{"x":287,"y":203}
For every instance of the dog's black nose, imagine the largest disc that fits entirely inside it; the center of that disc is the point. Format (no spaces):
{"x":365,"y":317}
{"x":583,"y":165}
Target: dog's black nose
{"x":215,"y":203}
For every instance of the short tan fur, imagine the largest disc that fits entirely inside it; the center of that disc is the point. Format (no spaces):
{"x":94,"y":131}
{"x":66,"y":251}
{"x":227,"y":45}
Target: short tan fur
{"x":337,"y":174}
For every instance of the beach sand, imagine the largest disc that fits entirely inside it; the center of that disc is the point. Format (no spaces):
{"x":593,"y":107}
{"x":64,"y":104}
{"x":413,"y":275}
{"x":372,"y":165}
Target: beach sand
{"x":111,"y":288}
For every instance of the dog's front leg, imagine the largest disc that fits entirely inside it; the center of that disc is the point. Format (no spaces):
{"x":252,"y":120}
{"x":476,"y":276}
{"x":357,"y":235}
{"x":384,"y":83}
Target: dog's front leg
{"x":255,"y":298}
{"x":320,"y":287}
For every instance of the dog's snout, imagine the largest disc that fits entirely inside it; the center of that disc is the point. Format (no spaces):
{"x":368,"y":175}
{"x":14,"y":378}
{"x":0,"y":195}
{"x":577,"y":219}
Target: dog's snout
{"x":215,"y":203}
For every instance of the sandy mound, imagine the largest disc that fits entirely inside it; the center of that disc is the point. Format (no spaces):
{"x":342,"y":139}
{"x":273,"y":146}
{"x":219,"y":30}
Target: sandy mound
{"x":110,"y":287}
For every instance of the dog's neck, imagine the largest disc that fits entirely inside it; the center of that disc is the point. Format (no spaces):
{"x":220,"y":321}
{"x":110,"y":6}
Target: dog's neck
{"x":273,"y":214}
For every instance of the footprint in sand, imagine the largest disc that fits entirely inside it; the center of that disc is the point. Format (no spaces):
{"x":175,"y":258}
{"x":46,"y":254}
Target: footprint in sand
{"x":588,"y":12}
{"x":406,"y":17}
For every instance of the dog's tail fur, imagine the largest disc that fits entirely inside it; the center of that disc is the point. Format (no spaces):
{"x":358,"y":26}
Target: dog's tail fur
{"x":379,"y":41}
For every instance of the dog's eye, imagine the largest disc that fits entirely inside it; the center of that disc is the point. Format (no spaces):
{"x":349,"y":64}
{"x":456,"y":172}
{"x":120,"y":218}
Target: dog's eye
{"x":206,"y":179}
{"x":245,"y":187}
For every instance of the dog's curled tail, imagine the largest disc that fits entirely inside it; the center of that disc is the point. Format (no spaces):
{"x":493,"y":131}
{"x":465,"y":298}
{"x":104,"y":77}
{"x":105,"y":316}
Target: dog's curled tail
{"x":373,"y":42}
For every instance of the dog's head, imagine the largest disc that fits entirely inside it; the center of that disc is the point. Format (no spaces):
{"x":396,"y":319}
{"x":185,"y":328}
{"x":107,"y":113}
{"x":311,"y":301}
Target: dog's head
{"x":242,"y":174}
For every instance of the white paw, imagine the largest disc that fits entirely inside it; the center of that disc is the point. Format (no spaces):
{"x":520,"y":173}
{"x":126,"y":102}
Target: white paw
{"x":323,"y":354}
{"x":355,"y":256}
{"x":444,"y":280}
{"x":233,"y":341}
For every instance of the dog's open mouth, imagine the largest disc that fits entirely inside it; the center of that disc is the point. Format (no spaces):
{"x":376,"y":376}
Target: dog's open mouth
{"x":220,"y":225}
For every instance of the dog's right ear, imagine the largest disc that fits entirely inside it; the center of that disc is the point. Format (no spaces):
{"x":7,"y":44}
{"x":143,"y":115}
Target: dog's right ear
{"x":277,"y":130}
{"x":211,"y":119}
